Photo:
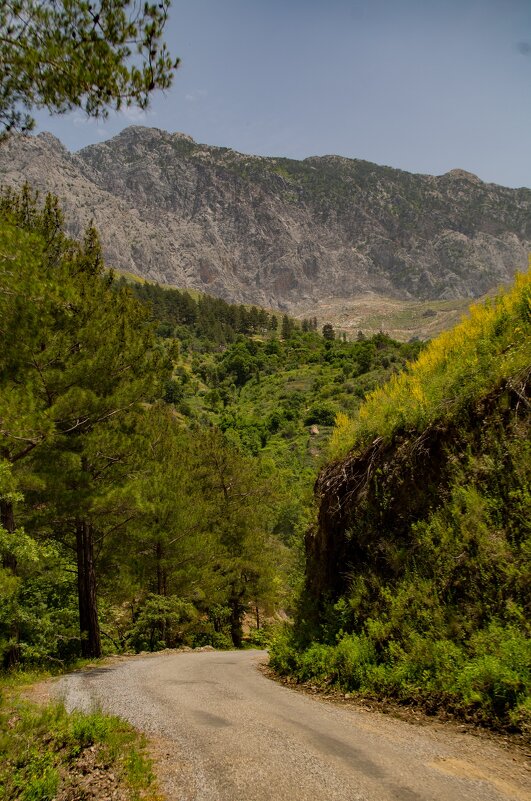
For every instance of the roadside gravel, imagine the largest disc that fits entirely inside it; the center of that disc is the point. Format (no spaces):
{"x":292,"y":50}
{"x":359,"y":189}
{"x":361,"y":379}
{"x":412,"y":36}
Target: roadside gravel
{"x":222,"y":731}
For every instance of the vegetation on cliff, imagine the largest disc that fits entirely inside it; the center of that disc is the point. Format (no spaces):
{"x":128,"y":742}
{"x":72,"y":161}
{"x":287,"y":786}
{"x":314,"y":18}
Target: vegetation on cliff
{"x":301,"y":236}
{"x":417,"y":572}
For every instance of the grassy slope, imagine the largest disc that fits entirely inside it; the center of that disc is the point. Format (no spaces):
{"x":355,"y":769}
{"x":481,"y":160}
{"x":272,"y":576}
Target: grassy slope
{"x":401,"y":319}
{"x":46,"y":753}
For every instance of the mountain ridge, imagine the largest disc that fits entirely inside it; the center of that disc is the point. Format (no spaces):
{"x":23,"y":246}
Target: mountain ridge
{"x":277,"y":232}
{"x":458,"y":172}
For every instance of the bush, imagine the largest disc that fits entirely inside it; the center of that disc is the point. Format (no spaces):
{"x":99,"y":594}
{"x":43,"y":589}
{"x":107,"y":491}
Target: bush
{"x":204,"y":633}
{"x":259,"y":638}
{"x":315,"y":663}
{"x":349,"y":661}
{"x":320,"y":414}
{"x":283,"y":656}
{"x":162,"y":622}
{"x":492,"y":688}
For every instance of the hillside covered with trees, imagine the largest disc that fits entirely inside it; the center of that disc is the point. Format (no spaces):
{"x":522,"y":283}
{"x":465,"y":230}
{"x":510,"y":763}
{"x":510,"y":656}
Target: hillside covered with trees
{"x":158,"y":452}
{"x":178,"y":471}
{"x":117,"y":521}
{"x":417,"y":582}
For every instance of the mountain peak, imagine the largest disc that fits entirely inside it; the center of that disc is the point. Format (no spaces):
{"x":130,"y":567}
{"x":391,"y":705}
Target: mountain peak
{"x":462,"y":175}
{"x":51,"y":141}
{"x":145,"y":133}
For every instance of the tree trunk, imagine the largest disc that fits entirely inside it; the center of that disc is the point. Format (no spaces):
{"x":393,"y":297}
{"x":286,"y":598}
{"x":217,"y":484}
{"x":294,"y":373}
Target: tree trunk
{"x":86,"y":589}
{"x":7,"y":520}
{"x":9,"y":562}
{"x":161,"y":585}
{"x":161,"y":571}
{"x":236,"y":615}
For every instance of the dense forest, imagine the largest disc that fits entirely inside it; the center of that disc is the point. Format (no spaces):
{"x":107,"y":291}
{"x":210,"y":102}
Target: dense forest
{"x":158,"y":451}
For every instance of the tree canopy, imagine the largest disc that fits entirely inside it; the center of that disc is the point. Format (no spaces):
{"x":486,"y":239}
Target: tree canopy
{"x":158,"y":532}
{"x":66,"y":54}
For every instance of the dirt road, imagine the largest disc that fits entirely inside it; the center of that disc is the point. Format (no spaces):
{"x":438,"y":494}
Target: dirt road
{"x":222,"y":731}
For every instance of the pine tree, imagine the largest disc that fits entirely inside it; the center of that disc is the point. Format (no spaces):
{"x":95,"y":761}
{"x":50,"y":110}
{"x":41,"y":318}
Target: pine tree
{"x":93,"y":56}
{"x":240,"y":507}
{"x":287,"y":327}
{"x":77,"y":355}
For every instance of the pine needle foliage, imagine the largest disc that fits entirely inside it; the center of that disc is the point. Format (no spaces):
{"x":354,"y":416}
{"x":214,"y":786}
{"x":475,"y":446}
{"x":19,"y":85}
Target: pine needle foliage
{"x":69,"y":54}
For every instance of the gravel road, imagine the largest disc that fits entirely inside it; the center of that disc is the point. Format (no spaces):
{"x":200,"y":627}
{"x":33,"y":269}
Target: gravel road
{"x":222,"y":731}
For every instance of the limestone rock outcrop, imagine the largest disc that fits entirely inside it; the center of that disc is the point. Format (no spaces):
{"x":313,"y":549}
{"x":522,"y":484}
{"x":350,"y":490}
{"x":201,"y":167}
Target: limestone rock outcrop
{"x":278,"y":232}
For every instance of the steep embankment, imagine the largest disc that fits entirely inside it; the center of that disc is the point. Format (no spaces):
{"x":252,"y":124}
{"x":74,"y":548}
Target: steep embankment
{"x":418,"y":568}
{"x":278,"y":232}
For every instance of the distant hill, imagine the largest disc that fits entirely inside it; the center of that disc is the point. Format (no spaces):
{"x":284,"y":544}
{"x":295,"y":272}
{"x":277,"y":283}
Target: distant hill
{"x":284,"y":234}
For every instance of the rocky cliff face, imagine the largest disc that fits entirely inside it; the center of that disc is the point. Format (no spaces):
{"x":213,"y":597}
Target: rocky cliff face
{"x":277,"y":232}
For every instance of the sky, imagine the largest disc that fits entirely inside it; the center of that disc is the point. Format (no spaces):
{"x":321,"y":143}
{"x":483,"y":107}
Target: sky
{"x":423,"y":85}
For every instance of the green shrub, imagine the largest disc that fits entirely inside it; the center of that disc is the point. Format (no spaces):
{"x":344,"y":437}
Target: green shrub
{"x":162,"y":622}
{"x":260,"y":638}
{"x":315,"y":663}
{"x":283,"y":656}
{"x":349,"y":660}
{"x":40,"y":744}
{"x":320,"y":414}
{"x":488,"y":681}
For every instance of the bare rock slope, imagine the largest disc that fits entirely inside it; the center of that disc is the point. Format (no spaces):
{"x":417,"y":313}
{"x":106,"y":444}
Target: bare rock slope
{"x":278,"y":232}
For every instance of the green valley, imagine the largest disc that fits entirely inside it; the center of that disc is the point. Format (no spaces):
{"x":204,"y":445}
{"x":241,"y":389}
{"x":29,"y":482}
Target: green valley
{"x":155,"y":489}
{"x":159,"y":451}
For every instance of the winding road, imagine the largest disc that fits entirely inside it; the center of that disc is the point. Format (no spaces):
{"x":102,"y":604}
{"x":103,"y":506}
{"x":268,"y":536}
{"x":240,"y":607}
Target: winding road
{"x":222,"y":731}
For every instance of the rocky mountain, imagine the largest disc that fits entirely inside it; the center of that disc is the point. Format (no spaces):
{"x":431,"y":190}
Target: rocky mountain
{"x":277,"y":232}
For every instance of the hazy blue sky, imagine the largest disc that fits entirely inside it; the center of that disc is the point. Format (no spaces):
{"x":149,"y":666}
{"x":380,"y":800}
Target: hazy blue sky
{"x":425,"y":85}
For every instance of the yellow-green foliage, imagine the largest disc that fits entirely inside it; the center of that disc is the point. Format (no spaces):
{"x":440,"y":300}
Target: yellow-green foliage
{"x":491,"y":345}
{"x":419,"y":570}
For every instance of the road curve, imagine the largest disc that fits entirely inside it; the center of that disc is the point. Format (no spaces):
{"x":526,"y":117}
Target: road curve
{"x":222,"y":731}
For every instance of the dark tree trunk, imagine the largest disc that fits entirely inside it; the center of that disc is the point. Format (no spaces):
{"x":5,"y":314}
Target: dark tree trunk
{"x":9,"y":562}
{"x":257,"y":613}
{"x":161,"y":571}
{"x":7,"y":520}
{"x":236,"y":614}
{"x":86,"y":590}
{"x":161,"y":585}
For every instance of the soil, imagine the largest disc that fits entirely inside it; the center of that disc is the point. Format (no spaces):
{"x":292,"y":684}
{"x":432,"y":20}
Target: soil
{"x":89,"y":778}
